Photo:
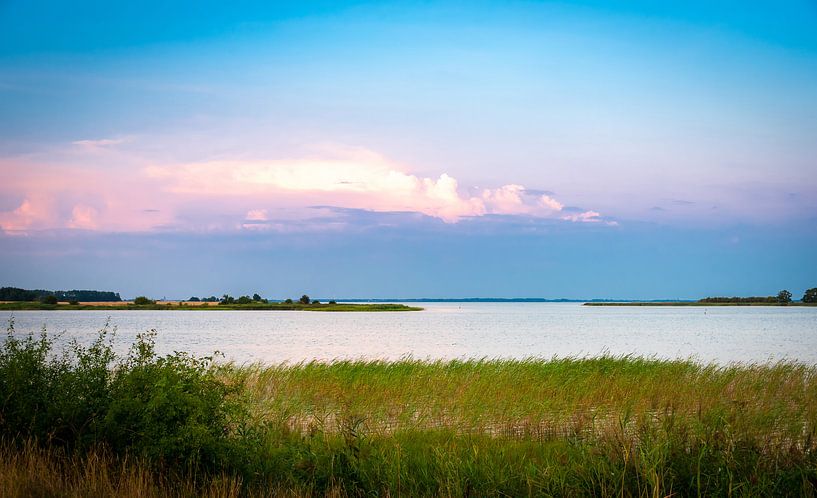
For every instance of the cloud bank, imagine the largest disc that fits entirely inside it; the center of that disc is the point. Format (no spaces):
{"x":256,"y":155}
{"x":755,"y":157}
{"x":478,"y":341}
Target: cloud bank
{"x":237,"y":194}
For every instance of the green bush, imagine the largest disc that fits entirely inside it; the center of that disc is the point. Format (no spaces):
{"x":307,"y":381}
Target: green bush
{"x":142,"y":300}
{"x":173,"y":410}
{"x":49,"y":299}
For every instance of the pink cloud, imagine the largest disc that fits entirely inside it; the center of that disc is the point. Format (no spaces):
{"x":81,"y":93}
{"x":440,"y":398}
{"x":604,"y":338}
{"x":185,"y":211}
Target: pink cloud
{"x":257,"y":215}
{"x":117,"y":192}
{"x":84,"y":217}
{"x":94,"y":145}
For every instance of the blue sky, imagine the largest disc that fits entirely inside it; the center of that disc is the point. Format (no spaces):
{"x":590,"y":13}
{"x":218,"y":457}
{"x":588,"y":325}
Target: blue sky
{"x":571,"y":149}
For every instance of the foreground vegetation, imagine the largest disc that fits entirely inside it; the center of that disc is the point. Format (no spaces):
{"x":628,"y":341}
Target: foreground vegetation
{"x":181,"y":305}
{"x":88,"y":423}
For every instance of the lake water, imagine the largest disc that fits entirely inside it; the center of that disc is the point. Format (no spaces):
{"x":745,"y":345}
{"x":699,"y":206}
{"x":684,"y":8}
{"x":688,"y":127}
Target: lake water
{"x":461,"y":330}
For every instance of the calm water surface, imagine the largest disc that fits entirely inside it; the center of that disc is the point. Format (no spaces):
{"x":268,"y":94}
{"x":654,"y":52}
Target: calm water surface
{"x":460,"y":330}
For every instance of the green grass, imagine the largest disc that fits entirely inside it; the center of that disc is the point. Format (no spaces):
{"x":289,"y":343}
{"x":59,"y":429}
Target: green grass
{"x":622,"y":426}
{"x":344,"y":307}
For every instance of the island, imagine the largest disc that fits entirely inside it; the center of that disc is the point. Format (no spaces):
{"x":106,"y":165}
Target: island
{"x":15,"y":299}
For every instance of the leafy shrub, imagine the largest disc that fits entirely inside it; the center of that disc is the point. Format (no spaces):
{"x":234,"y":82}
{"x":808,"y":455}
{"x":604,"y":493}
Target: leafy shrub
{"x":288,"y":301}
{"x":142,"y":300}
{"x":73,"y":302}
{"x":49,"y":299}
{"x":304,"y":299}
{"x":810,"y":296}
{"x":173,"y":410}
{"x":244,"y":300}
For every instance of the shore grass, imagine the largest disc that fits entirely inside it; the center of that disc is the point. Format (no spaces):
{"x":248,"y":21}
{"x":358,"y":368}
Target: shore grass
{"x":182,"y":306}
{"x":623,"y":426}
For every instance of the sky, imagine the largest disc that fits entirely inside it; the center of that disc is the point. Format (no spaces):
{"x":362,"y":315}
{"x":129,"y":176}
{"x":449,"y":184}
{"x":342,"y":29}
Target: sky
{"x":640,"y":150}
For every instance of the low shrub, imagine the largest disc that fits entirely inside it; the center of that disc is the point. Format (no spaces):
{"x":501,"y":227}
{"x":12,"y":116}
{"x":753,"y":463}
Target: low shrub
{"x":142,"y":300}
{"x":49,"y":299}
{"x":173,"y":410}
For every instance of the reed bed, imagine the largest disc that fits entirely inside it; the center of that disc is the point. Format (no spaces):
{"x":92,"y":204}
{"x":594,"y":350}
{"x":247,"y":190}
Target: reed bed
{"x":535,"y":398}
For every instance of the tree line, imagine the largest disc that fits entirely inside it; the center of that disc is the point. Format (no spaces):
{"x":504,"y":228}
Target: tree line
{"x":782,"y":297}
{"x":17,"y":294}
{"x":256,"y":298}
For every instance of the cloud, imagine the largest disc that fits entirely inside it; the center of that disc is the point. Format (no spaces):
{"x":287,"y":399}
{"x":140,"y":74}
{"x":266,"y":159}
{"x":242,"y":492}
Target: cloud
{"x":122,"y":193}
{"x":33,"y":212}
{"x":84,"y":217}
{"x":257,"y":215}
{"x":359,"y":180}
{"x":585,"y":217}
{"x":94,"y":145}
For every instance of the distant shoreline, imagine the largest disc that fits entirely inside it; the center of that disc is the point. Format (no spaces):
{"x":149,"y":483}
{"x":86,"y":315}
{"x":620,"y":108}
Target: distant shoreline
{"x":692,"y":303}
{"x":198,"y":306}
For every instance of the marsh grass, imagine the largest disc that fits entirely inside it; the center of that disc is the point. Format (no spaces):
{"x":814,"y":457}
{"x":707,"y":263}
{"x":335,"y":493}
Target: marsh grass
{"x":621,"y":426}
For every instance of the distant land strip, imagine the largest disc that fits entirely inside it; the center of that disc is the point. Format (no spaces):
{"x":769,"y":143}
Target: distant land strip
{"x":693,"y":303}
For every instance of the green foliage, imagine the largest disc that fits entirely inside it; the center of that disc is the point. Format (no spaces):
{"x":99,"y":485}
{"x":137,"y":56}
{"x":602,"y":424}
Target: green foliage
{"x":256,"y":297}
{"x":244,"y":300}
{"x":569,"y":427}
{"x":194,"y":299}
{"x":304,"y":299}
{"x":784,"y":297}
{"x":739,"y":300}
{"x":49,"y":299}
{"x":73,"y":302}
{"x":810,"y":296}
{"x":172,"y":410}
{"x":17,"y":294}
{"x":288,"y":301}
{"x":143,"y":301}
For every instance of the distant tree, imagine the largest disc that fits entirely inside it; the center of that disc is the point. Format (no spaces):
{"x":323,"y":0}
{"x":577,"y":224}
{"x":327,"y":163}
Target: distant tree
{"x":333,"y":302}
{"x":142,"y":300}
{"x":244,"y":300}
{"x":784,"y":297}
{"x":810,"y":296}
{"x":288,"y":301}
{"x":49,"y":299}
{"x":194,"y":299}
{"x":304,"y":299}
{"x":227,"y":299}
{"x":256,"y":297}
{"x":315,"y":301}
{"x":211,"y":299}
